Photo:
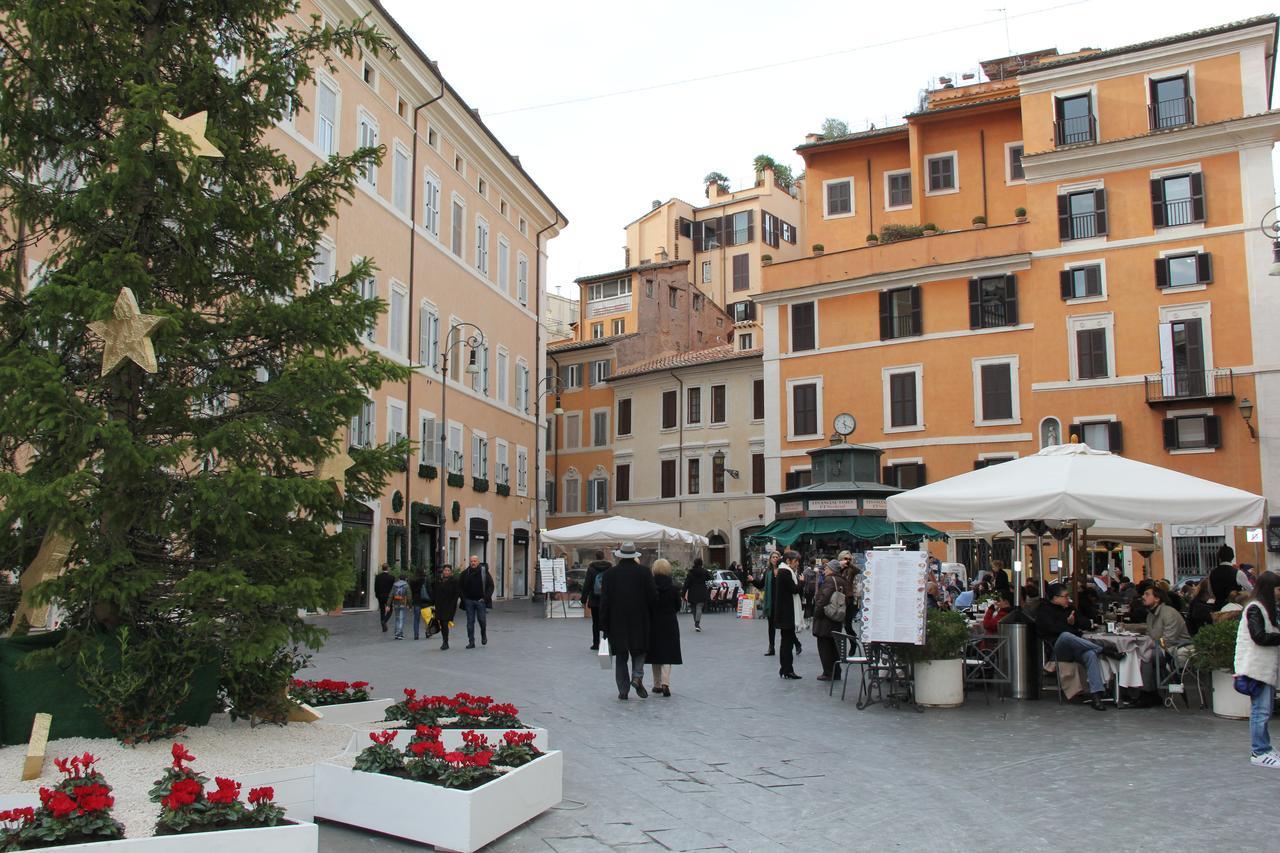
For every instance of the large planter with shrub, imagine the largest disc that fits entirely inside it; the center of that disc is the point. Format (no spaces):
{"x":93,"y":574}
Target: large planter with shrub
{"x":939,"y":664}
{"x":1215,"y":649}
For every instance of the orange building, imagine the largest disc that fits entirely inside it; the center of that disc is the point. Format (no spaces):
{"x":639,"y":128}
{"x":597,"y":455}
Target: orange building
{"x":1070,"y":248}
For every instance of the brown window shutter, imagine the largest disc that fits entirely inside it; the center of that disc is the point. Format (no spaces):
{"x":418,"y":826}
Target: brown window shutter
{"x":886,"y":476}
{"x":917,"y":320}
{"x":975,"y":303}
{"x":979,"y":464}
{"x":1197,"y":197}
{"x":622,"y":483}
{"x":886,"y":321}
{"x":1204,"y":268}
{"x":1212,"y":431}
{"x":1157,"y":202}
{"x":1100,"y":211}
{"x":1064,"y":217}
{"x":1066,"y":284}
{"x":1162,"y":273}
{"x":1170,"y":427}
{"x":757,"y":400}
{"x":697,"y":236}
{"x":751,"y":226}
{"x":920,"y":479}
{"x":1011,"y":300}
{"x":1115,"y":436}
{"x":757,"y":473}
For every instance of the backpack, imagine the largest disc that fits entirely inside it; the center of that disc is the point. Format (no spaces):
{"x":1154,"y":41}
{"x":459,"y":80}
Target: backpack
{"x":835,"y":608}
{"x":597,"y":588}
{"x":400,"y":594}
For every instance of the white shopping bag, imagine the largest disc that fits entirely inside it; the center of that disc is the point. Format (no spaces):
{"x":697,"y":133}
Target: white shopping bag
{"x":603,"y":655}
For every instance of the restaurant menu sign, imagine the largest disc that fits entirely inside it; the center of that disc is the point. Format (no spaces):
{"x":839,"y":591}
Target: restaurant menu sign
{"x":554,"y":578}
{"x":893,"y":598}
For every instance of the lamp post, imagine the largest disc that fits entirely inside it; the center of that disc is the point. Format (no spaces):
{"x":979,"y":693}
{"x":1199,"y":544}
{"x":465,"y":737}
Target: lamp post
{"x":553,"y":385}
{"x":1246,"y":411}
{"x":473,"y":341}
{"x":718,"y":459}
{"x":1270,"y":226}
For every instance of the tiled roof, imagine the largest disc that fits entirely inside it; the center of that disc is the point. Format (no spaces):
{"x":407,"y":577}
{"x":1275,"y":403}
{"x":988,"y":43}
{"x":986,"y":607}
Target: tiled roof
{"x":696,"y":358}
{"x":569,"y":346}
{"x":853,"y":137}
{"x":1000,"y":99}
{"x":1147,"y":45}
{"x":639,"y":268}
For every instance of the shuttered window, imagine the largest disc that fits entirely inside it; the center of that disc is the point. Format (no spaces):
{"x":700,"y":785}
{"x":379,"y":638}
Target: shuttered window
{"x":993,"y":302}
{"x":741,"y":272}
{"x":900,"y":313}
{"x":1082,"y":215}
{"x":902,"y":400}
{"x":757,"y":473}
{"x":668,"y":467}
{"x":997,"y":391}
{"x":669,"y":409}
{"x":622,"y":483}
{"x":1192,"y":431}
{"x":1184,"y":270}
{"x":804,"y":409}
{"x":1091,"y":354}
{"x":1177,"y":200}
{"x":802,"y":327}
{"x":1080,"y":282}
{"x":757,"y":400}
{"x":624,"y":417}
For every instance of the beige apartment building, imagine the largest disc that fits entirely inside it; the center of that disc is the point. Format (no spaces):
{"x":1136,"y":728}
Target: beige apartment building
{"x":459,"y":232}
{"x":559,"y":317}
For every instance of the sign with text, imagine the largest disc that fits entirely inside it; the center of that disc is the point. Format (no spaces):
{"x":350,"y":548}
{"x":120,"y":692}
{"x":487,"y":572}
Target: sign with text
{"x":791,"y":506}
{"x":893,"y":597}
{"x":553,"y":574}
{"x":834,"y":503}
{"x":875,"y":504}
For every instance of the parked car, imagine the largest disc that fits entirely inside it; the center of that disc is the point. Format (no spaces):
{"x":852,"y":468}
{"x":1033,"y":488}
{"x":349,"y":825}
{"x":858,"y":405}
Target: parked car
{"x":726,"y":580}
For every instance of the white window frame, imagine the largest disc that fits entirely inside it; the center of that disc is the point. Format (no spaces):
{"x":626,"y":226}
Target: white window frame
{"x":367,"y":287}
{"x":428,"y":438}
{"x":369,"y":173}
{"x":571,"y":432}
{"x":522,"y":385}
{"x":1079,"y":322}
{"x":401,"y":177}
{"x":524,"y":226}
{"x":431,"y":203}
{"x":503,"y":362}
{"x":596,"y":379}
{"x":1187,"y":71}
{"x":607,"y":412}
{"x":479,"y":454}
{"x":482,"y":246}
{"x":1202,"y":311}
{"x":501,"y":468}
{"x":792,"y":435}
{"x":396,"y":416}
{"x":711,"y":404}
{"x":328,"y":82}
{"x":1092,"y":92}
{"x":885,"y":373}
{"x":522,"y":470}
{"x":430,"y":324}
{"x":853,"y":197}
{"x":574,"y":373}
{"x":1174,"y":414}
{"x":324,"y":244}
{"x":482,"y":187}
{"x":571,"y":476}
{"x":618,"y":421}
{"x":370,"y":71}
{"x":522,"y":278}
{"x":618,"y":326}
{"x":458,"y":226}
{"x":1183,"y":250}
{"x":400,"y":328}
{"x":504,"y":264}
{"x":459,"y":162}
{"x":455,"y":430}
{"x":433,"y":138}
{"x":955,"y":172}
{"x":1016,"y":408}
{"x":1101,"y":263}
{"x":706,"y":272}
{"x":702,"y":412}
{"x":888,"y":205}
{"x":357,"y":434}
{"x":1009,"y":179}
{"x":746,"y":341}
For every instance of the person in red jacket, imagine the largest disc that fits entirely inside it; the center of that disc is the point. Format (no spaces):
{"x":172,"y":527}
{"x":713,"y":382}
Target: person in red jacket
{"x":996,"y":613}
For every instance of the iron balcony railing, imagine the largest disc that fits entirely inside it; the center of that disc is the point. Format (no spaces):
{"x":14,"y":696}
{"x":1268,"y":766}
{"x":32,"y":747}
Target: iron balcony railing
{"x":903,"y":327}
{"x":1173,"y":112}
{"x":1084,"y":225}
{"x":1179,"y":211}
{"x":1069,"y":131}
{"x":1177,"y":385}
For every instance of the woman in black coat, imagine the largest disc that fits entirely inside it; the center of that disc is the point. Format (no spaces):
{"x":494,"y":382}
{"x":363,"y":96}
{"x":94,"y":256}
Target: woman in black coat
{"x":696,"y":592}
{"x":444,"y":592}
{"x":664,"y":629}
{"x":786,"y":601}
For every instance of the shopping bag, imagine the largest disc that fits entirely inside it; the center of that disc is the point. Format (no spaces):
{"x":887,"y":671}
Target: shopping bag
{"x":603,"y":655}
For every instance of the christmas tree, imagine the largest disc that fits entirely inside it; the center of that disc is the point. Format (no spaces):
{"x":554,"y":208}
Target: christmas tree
{"x":200,"y":502}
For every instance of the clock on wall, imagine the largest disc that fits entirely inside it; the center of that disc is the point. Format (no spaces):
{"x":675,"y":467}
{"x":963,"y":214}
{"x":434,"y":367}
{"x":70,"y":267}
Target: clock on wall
{"x":845,"y":423}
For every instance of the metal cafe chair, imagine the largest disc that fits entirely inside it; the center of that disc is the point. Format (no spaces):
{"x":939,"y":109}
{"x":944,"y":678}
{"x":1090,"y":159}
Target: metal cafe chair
{"x":1046,"y":655}
{"x":851,"y":653}
{"x":983,"y":663}
{"x":1172,"y":679}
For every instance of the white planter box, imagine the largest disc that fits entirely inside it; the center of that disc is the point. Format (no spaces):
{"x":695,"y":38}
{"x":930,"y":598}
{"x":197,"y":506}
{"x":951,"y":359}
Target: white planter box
{"x":297,"y":838}
{"x":1226,"y":701}
{"x":353,"y":713}
{"x":940,"y":683}
{"x":295,"y":788}
{"x":451,"y":738}
{"x":430,"y":814}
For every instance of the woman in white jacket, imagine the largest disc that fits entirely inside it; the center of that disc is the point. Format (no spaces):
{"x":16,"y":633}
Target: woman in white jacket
{"x":1258,"y":656}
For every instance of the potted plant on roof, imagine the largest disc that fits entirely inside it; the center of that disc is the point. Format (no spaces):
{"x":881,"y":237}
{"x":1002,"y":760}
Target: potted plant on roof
{"x":939,"y":670}
{"x":766,"y":259}
{"x":1020,"y":214}
{"x":929,"y":229}
{"x":873,"y":239}
{"x":979,"y":222}
{"x":1215,"y":650}
{"x":818,"y":248}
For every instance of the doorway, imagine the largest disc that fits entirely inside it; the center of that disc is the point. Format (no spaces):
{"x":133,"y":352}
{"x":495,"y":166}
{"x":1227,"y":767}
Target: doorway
{"x":520,"y":563}
{"x":717,"y":551}
{"x":359,"y":523}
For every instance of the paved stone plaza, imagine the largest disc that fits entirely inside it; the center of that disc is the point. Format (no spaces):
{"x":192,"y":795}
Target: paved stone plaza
{"x":739,"y":759}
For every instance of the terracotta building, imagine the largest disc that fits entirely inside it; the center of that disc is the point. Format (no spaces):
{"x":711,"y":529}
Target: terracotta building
{"x":1067,"y":249}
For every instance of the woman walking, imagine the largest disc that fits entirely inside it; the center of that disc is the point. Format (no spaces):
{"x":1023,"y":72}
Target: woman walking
{"x":1258,"y":657}
{"x":695,"y":591}
{"x":445,"y":594}
{"x":824,"y":627}
{"x":664,"y":629}
{"x":786,"y":611}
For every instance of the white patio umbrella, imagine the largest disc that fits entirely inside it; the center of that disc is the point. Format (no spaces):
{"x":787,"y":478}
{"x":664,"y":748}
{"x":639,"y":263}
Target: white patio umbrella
{"x":618,"y":528}
{"x":1073,"y":481}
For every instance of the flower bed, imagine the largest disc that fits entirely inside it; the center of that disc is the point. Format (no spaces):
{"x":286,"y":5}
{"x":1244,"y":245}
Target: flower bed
{"x":327,"y":691}
{"x":457,"y":799}
{"x":461,"y":711}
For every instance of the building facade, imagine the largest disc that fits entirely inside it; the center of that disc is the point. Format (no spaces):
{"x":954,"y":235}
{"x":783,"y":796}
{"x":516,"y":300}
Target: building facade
{"x":1067,"y":250}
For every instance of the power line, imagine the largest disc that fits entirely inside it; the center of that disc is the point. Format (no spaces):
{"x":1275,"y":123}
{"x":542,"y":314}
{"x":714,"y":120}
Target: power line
{"x":719,"y":75}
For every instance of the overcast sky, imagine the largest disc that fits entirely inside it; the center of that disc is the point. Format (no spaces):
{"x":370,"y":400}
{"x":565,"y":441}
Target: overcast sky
{"x":557,"y":83}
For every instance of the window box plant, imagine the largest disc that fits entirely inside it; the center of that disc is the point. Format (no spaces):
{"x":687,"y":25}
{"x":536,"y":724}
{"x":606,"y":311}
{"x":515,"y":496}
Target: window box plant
{"x":893,"y":233}
{"x":766,"y":259}
{"x":1215,"y":650}
{"x":929,"y":229}
{"x":979,"y":222}
{"x":479,"y":484}
{"x":1020,"y":214}
{"x":459,"y":799}
{"x":873,"y":239}
{"x":818,"y":248}
{"x":939,"y":664}
{"x":503,"y":489}
{"x":457,"y":481}
{"x":427,"y":472}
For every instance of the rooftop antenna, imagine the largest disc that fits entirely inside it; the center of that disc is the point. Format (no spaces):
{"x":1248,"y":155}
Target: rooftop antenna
{"x":1008,"y":45}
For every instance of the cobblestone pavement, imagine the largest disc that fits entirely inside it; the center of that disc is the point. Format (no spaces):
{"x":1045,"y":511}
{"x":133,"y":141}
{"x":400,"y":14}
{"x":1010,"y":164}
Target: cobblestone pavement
{"x":738,"y":759}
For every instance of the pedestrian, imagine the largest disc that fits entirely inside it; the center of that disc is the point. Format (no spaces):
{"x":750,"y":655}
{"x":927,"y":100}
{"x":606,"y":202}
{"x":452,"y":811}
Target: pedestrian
{"x":420,"y":589}
{"x":852,"y":588}
{"x":382,"y":592}
{"x":1258,"y":658}
{"x":401,"y":601}
{"x":695,"y":591}
{"x":787,"y":613}
{"x":627,"y":596}
{"x":445,"y":593}
{"x":664,"y":629}
{"x":591,"y":593}
{"x":765,"y":584}
{"x":825,"y":627}
{"x":476,"y":586}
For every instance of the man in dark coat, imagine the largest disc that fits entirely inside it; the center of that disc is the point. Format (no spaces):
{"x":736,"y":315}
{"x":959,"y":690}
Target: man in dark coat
{"x":591,"y":593}
{"x":695,"y":591}
{"x":445,"y":594}
{"x":382,"y":591}
{"x":627,"y":595}
{"x":1224,"y":578}
{"x":475,"y":586}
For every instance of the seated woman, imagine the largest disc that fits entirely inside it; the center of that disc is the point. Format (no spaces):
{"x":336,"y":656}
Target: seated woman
{"x":996,"y":613}
{"x":1199,"y":608}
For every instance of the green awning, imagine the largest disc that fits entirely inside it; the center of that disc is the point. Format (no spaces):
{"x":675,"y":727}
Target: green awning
{"x":865,"y":528}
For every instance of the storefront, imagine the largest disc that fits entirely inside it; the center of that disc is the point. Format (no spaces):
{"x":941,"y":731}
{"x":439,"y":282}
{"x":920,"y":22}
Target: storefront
{"x":520,"y":562}
{"x":358,"y":521}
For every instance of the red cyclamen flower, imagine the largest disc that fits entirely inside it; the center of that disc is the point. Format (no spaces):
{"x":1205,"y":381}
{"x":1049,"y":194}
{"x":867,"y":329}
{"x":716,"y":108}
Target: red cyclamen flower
{"x":382,"y":738}
{"x":26,"y":814}
{"x":261,"y":795}
{"x":228,"y":792}
{"x":356,"y":685}
{"x":93,"y":798}
{"x":183,"y":793}
{"x":181,"y":754}
{"x":60,"y":805}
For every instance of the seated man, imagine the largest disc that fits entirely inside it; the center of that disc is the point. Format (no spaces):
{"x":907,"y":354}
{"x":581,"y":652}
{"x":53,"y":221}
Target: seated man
{"x":1056,"y":624}
{"x":1165,"y":625}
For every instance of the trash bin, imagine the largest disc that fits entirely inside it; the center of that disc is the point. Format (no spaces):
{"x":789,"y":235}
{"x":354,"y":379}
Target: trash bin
{"x":1022,"y":661}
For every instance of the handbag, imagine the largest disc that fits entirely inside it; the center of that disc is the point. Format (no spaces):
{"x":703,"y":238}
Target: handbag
{"x":602,"y":656}
{"x":835,"y":608}
{"x":1248,"y":686}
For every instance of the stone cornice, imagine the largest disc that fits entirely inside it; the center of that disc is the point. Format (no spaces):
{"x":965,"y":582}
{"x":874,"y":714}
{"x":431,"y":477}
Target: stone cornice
{"x":975,"y":268}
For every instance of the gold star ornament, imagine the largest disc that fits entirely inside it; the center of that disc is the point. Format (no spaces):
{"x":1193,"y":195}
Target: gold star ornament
{"x":335,"y":468}
{"x":50,"y":560}
{"x":127,"y":335}
{"x":193,"y":127}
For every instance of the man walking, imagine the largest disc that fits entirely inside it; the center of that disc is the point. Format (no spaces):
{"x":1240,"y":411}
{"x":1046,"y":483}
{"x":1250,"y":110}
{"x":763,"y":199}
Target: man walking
{"x":382,"y":591}
{"x":591,"y":593}
{"x":627,"y":595}
{"x":476,"y":586}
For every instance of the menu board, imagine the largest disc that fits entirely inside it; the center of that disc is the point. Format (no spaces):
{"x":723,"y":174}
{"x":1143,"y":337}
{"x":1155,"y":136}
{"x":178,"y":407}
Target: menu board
{"x":553,"y":574}
{"x":893,"y":597}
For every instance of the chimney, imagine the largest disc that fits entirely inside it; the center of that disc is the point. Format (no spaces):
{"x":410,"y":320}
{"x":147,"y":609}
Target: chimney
{"x":812,"y":137}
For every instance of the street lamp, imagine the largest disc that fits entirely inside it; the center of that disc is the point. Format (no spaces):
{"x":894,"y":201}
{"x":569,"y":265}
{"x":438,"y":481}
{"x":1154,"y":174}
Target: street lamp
{"x":1246,"y":411}
{"x":718,"y":458}
{"x":1272,"y":230}
{"x":474,"y":342}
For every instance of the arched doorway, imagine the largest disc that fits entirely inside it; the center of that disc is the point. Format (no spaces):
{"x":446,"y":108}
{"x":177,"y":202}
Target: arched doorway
{"x":717,"y":550}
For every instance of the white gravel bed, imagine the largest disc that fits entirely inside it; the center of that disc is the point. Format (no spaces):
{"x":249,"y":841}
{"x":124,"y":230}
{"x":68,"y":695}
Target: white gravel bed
{"x":222,"y":748}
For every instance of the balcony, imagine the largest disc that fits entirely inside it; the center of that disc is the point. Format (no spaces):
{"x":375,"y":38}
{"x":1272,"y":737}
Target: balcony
{"x":1074,"y":130}
{"x":1174,"y":112}
{"x":609,"y":305}
{"x":1181,"y":386}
